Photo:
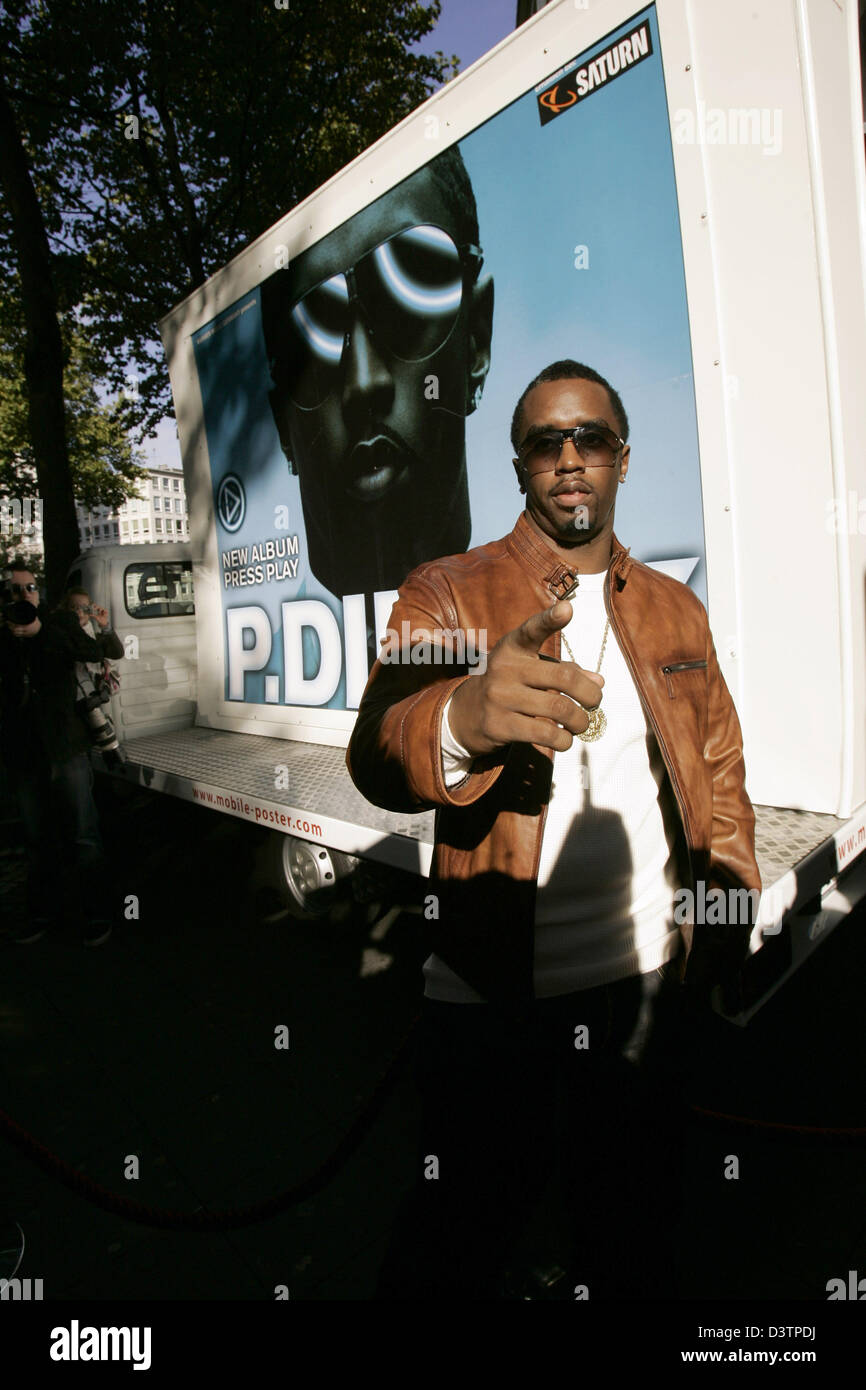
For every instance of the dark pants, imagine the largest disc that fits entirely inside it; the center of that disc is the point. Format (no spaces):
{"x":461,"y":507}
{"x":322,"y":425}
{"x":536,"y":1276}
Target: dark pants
{"x":537,"y":1152}
{"x":61,"y":828}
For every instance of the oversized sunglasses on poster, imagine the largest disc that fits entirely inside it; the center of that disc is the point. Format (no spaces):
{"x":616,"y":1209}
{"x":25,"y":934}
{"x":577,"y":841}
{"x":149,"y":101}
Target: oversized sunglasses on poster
{"x":409,"y":290}
{"x":597,"y":446}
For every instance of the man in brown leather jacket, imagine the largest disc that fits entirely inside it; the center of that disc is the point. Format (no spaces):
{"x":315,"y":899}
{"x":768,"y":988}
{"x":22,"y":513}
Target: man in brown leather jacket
{"x":585,"y":822}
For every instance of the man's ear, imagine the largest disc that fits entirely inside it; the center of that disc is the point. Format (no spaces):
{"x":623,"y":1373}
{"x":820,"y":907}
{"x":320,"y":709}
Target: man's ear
{"x":623,"y":462}
{"x":518,"y":468}
{"x":480,"y":336}
{"x":280,"y":407}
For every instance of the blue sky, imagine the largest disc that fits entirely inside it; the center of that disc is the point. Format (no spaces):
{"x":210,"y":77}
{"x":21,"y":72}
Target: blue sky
{"x":470,"y":28}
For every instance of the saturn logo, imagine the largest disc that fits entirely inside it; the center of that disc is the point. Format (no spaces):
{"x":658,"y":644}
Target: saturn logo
{"x":551,"y":100}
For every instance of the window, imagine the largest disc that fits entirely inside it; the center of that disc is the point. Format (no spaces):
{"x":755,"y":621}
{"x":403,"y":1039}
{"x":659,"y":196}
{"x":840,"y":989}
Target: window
{"x":157,"y":525}
{"x":115,"y":527}
{"x":145,"y":525}
{"x":134,"y":525}
{"x":157,"y":504}
{"x":159,"y":590}
{"x":177,"y":485}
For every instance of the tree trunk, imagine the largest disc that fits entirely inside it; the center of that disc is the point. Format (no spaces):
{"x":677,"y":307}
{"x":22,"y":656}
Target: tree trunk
{"x":43,"y":357}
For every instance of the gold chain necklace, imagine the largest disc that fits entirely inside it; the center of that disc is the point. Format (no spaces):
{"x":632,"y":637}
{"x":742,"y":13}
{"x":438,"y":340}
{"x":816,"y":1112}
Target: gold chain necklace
{"x":597,"y":717}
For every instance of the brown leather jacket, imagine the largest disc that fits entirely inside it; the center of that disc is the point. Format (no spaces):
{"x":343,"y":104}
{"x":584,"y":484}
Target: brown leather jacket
{"x":489,"y":827}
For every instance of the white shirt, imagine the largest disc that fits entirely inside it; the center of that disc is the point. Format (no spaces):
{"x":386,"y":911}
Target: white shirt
{"x":608,"y":874}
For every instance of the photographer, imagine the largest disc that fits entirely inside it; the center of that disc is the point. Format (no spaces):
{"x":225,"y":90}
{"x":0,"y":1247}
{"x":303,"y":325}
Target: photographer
{"x":44,"y":743}
{"x":97,"y":682}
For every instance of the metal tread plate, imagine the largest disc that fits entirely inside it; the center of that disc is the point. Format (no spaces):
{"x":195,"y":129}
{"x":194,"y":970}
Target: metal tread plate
{"x":784,"y":838}
{"x":318,"y":783}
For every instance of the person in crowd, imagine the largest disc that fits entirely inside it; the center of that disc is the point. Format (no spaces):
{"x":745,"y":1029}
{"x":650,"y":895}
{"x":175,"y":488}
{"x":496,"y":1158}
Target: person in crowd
{"x":44,"y":744}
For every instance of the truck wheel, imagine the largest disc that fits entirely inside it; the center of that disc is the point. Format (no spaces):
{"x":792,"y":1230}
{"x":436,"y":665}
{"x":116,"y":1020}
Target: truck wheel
{"x":310,"y":875}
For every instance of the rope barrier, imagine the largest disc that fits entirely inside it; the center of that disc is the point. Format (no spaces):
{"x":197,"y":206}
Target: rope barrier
{"x":229,"y":1219}
{"x":837,"y":1131}
{"x":235,"y":1218}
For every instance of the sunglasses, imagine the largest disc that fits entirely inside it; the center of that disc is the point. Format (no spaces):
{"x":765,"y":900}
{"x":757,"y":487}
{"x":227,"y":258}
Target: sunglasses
{"x":410,"y":290}
{"x":24,"y":588}
{"x":597,"y":445}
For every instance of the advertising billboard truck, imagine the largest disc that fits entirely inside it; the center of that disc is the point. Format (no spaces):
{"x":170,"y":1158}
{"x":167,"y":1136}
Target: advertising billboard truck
{"x":672,"y":194}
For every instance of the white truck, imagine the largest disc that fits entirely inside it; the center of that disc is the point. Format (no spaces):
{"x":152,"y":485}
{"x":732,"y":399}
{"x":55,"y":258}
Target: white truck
{"x":675,"y":195}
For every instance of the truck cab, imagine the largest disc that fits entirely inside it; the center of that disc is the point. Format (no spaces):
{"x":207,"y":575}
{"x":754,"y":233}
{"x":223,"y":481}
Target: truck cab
{"x":148,"y":591}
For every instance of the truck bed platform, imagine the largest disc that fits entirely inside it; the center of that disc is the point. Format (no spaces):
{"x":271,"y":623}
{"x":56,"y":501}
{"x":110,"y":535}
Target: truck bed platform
{"x":299,"y":788}
{"x":314,"y":798}
{"x":812,"y":865}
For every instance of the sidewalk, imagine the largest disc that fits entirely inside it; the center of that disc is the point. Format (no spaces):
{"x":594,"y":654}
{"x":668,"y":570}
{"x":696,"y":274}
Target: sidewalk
{"x":160,"y":1045}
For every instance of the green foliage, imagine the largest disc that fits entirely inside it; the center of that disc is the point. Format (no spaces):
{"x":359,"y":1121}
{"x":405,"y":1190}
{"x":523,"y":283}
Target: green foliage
{"x":103,"y":462}
{"x":164,"y":136}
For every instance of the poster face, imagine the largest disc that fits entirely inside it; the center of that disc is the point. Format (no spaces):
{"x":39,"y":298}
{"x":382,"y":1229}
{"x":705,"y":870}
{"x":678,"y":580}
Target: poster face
{"x":358,"y":402}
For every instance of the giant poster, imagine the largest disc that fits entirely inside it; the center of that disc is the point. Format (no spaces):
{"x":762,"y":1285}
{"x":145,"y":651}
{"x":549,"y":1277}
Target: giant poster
{"x":358,"y":401}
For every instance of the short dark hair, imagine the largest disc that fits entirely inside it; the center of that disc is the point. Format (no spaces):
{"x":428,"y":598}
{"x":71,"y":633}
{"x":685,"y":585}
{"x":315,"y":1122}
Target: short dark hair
{"x":452,"y":181}
{"x":18,"y":562}
{"x":568,"y":370}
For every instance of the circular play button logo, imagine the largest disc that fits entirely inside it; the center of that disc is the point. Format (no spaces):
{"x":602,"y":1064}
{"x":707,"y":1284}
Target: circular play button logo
{"x":231,"y":502}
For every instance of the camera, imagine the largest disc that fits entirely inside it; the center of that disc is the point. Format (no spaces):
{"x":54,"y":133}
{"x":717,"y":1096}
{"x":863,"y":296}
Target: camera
{"x":15,"y":610}
{"x":102,"y":735}
{"x":100,"y":729}
{"x":100,"y":695}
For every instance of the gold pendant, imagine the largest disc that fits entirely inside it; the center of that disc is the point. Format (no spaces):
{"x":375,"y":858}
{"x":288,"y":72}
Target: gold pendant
{"x":596,"y":727}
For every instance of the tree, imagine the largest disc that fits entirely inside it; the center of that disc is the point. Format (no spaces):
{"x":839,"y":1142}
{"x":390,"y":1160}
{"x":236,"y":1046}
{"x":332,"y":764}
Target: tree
{"x":143,"y":146}
{"x":104,"y":464}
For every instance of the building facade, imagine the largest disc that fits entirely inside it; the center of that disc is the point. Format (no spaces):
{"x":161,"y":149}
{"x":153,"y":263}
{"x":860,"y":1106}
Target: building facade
{"x":157,"y":513}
